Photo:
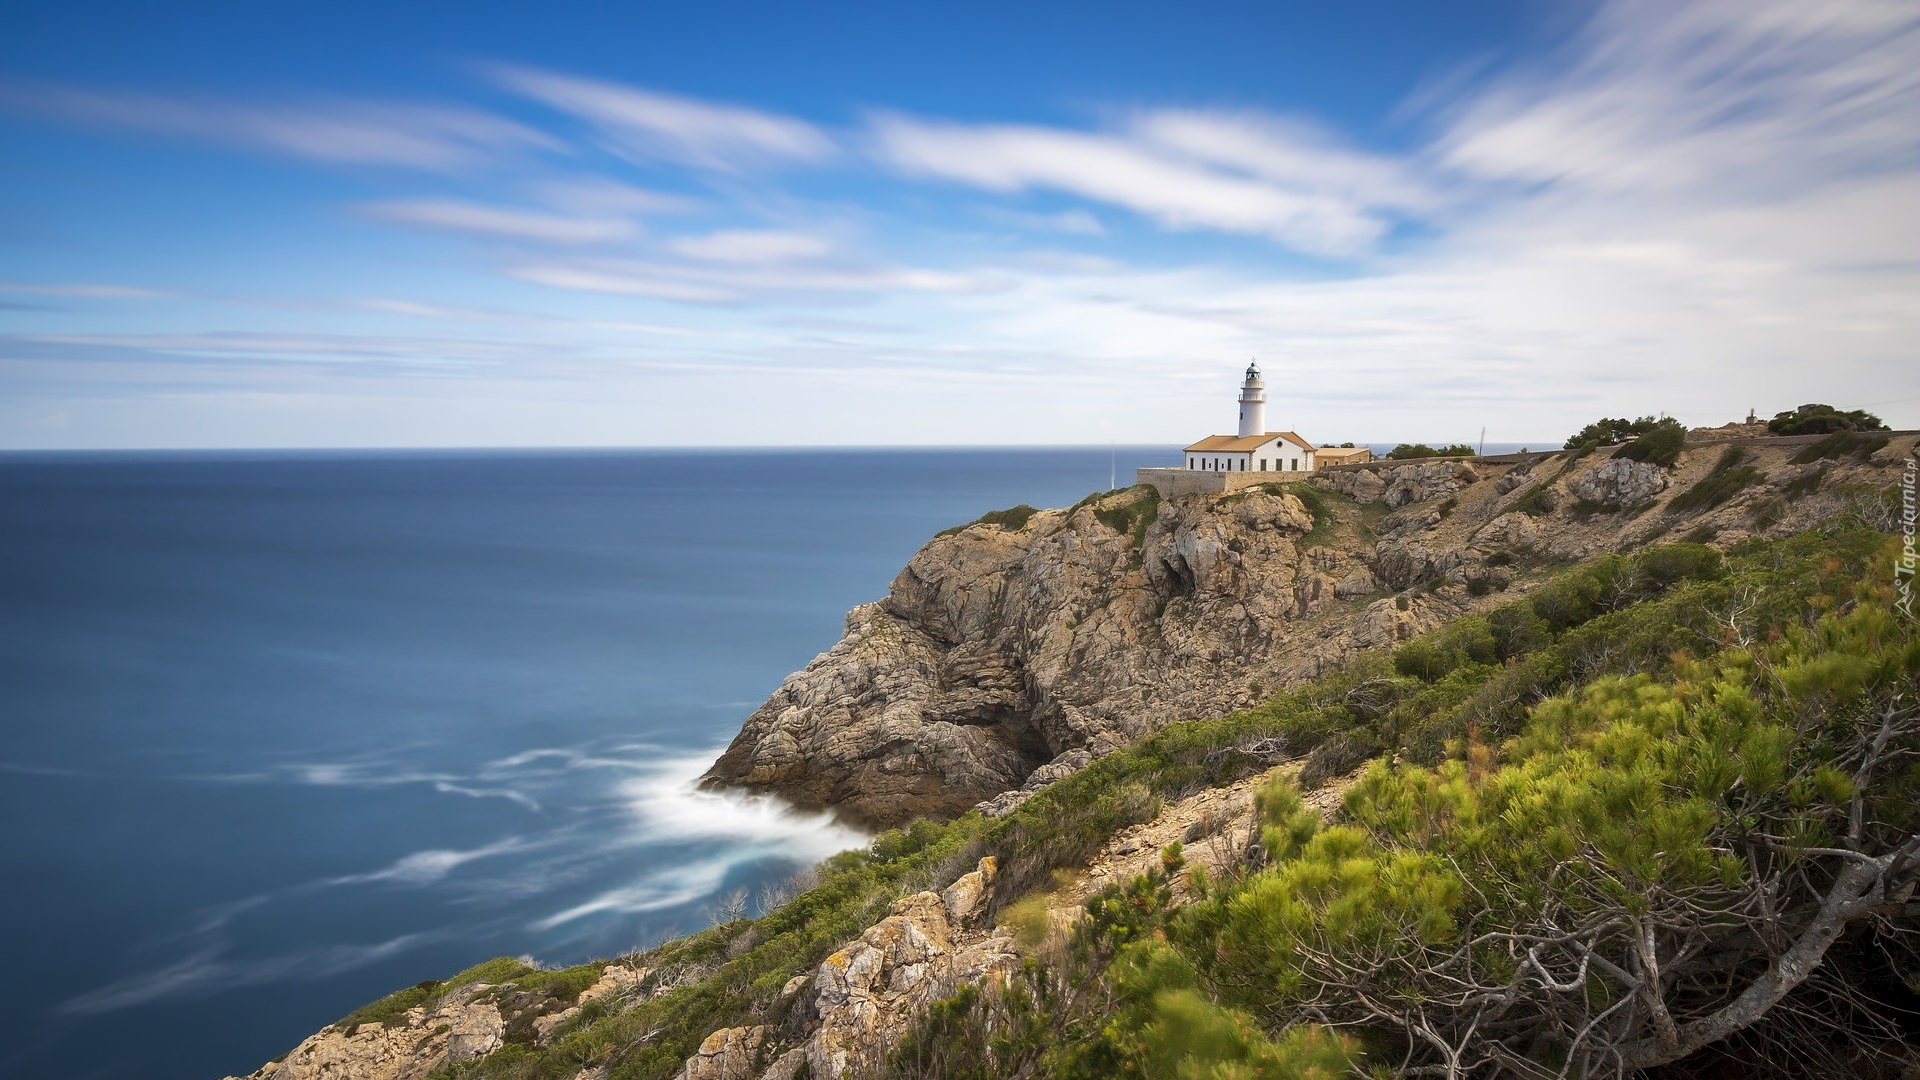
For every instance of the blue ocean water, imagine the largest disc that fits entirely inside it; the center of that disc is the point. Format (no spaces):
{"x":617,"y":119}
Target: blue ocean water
{"x":280,"y":733}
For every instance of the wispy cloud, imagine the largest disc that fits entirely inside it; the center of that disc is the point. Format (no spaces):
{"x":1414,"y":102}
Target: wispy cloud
{"x":1075,"y":220}
{"x":730,"y":274}
{"x":1183,"y":170}
{"x":752,"y":246}
{"x":434,"y":137}
{"x":659,"y":127}
{"x":1721,"y":99}
{"x":517,"y":224}
{"x":88,"y":290}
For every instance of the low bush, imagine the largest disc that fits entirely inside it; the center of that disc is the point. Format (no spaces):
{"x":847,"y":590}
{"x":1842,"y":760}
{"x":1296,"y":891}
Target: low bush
{"x":1132,"y":515}
{"x":1659,"y":445}
{"x":1715,"y":489}
{"x":1823,"y":419}
{"x":1841,"y":444}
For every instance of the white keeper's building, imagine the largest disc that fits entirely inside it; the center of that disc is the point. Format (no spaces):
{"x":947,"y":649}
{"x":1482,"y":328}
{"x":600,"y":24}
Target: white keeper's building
{"x":1227,"y":462}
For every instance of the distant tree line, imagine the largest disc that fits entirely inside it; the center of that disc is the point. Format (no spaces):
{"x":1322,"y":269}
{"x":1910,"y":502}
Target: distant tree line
{"x":1422,"y":450}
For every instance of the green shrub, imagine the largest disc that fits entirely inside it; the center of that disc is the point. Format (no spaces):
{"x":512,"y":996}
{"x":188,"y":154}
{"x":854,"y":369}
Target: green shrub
{"x":1821,"y":420}
{"x":1610,"y":432}
{"x":1667,"y":565}
{"x":1716,"y":488}
{"x":1012,"y":519}
{"x":1132,"y":515}
{"x":1660,"y":445}
{"x":1841,"y":444}
{"x":1805,"y":484}
{"x":1338,"y":757}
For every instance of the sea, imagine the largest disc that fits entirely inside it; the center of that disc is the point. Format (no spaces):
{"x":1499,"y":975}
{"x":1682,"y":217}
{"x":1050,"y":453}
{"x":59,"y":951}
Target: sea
{"x":283,"y":732}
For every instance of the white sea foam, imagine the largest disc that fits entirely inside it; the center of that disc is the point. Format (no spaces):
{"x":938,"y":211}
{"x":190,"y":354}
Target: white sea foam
{"x":669,"y":807}
{"x":427,"y":867}
{"x":206,"y":972}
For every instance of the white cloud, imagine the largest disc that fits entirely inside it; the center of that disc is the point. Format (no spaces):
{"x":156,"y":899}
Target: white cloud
{"x":594,"y":196}
{"x":752,"y":246}
{"x":435,"y":137}
{"x":1074,"y":220}
{"x":91,"y":291}
{"x":729,"y":275}
{"x":1186,"y":169}
{"x":622,"y":282}
{"x":657,"y":126}
{"x":1715,"y":99}
{"x":502,"y":221}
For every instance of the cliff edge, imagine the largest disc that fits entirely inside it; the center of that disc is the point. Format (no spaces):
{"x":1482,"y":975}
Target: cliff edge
{"x":1025,"y":641}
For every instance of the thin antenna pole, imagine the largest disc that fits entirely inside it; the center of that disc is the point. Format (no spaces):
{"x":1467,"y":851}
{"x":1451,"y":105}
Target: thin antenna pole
{"x":1483,"y":441}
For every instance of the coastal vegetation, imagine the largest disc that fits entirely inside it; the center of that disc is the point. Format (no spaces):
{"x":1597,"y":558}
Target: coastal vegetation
{"x":1711,"y":817}
{"x":1409,"y":451}
{"x":1609,"y":431}
{"x":1820,"y":419}
{"x":1598,"y":820}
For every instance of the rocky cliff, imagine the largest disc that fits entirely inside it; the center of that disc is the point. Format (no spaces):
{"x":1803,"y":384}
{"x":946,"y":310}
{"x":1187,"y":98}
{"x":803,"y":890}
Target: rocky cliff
{"x":1003,"y":647}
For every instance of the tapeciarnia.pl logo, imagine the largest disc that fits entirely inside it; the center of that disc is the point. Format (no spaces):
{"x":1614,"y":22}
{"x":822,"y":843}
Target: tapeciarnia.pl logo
{"x":1904,"y":569}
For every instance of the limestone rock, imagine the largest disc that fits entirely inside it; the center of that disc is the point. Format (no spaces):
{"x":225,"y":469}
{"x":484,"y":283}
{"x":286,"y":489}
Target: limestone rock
{"x":1398,"y":565}
{"x":459,"y":1030}
{"x":1063,"y":766}
{"x":966,"y":898}
{"x":787,"y":1065}
{"x":1357,"y":584}
{"x":1515,"y":533}
{"x":1427,"y":480}
{"x":870,"y":990}
{"x":995,"y":653}
{"x":727,"y":1054}
{"x":1619,"y":482}
{"x":1362,"y":485}
{"x":1515,"y":477}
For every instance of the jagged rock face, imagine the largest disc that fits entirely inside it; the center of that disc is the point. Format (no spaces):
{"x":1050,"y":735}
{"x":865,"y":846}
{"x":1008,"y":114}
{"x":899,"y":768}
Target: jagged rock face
{"x":997,"y":651}
{"x":459,"y":1030}
{"x":1620,"y":482}
{"x":1401,"y":485}
{"x":727,"y":1054}
{"x":870,"y":991}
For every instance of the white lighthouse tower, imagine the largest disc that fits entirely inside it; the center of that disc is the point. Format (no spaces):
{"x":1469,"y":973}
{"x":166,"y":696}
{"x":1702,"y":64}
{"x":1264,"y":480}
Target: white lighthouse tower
{"x":1253,"y":404}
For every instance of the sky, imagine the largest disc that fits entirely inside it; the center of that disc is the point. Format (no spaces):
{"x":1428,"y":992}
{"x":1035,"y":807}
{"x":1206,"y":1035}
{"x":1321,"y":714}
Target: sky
{"x":247,"y":225}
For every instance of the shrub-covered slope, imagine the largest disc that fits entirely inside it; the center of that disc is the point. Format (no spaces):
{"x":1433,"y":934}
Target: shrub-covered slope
{"x":1658,"y":813}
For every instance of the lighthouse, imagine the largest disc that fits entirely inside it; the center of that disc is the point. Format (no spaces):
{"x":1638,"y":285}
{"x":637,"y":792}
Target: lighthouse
{"x":1253,"y":403}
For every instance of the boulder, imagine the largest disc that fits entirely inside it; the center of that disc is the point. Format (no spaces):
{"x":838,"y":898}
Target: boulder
{"x":1619,"y":482}
{"x":727,"y":1054}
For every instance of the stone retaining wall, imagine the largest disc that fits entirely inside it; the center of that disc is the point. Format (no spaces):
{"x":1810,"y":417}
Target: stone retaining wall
{"x":1172,"y":482}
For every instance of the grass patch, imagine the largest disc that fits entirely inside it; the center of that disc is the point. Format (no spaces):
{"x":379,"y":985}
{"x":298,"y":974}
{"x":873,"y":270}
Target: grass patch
{"x":1132,"y":517}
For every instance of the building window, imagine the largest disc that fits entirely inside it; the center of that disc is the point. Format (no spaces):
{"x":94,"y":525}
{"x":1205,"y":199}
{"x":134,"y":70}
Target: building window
{"x":1294,"y":465}
{"x":1263,"y":464}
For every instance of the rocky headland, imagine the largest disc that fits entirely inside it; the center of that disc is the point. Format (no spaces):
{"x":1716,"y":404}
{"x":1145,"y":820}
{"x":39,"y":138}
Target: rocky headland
{"x":1011,"y":651}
